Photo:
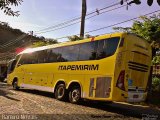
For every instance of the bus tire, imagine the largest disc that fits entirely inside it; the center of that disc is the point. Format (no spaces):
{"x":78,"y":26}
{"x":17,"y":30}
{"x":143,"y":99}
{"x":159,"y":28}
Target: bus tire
{"x":15,"y":85}
{"x":60,"y":92}
{"x":75,"y":95}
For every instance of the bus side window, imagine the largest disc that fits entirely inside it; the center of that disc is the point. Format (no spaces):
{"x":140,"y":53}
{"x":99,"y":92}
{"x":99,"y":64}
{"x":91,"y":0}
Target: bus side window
{"x":31,"y":58}
{"x":111,"y":46}
{"x":11,"y":66}
{"x":23,"y":59}
{"x":42,"y":56}
{"x":54,"y":55}
{"x":70,"y":53}
{"x":88,"y":51}
{"x":107,"y":47}
{"x":60,"y":58}
{"x":28,"y":58}
{"x":100,"y":51}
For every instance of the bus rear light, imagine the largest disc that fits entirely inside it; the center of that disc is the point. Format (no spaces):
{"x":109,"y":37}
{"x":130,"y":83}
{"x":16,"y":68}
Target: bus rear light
{"x":120,"y":81}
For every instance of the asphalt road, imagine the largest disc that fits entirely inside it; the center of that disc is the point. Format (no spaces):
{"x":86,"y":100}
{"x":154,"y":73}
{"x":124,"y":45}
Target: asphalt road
{"x":38,"y":105}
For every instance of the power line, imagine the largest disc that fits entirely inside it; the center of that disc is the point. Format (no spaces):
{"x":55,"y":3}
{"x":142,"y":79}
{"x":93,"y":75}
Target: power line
{"x":8,"y":54}
{"x":78,"y":18}
{"x":107,"y":26}
{"x":13,"y":42}
{"x":113,"y":24}
{"x":80,"y":21}
{"x":121,"y":22}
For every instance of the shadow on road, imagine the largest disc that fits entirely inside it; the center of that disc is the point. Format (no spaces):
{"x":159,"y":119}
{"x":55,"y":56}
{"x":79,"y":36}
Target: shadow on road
{"x":119,"y":108}
{"x":6,"y":93}
{"x":124,"y":109}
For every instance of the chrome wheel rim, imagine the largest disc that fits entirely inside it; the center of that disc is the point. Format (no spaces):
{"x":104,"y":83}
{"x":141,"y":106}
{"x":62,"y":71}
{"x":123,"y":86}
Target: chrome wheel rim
{"x":60,"y":92}
{"x":75,"y":95}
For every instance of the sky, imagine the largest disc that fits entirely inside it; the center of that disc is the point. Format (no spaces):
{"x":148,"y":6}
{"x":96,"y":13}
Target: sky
{"x":36,"y":15}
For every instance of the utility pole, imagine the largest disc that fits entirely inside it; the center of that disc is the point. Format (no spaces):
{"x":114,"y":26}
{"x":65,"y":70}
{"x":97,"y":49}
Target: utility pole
{"x":84,"y":10}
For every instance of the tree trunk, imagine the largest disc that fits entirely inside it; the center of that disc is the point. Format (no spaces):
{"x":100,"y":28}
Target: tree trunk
{"x":149,"y":85}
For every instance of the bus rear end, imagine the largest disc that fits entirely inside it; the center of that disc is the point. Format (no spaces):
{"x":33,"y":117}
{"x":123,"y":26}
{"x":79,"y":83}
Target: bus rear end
{"x":132,"y":69}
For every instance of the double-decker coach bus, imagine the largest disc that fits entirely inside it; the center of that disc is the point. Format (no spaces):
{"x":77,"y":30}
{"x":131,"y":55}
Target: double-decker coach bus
{"x":111,"y":67}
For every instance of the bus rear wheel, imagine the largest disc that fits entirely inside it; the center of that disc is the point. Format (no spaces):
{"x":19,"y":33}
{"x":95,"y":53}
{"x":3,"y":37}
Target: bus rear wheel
{"x":75,"y":95}
{"x":15,"y":85}
{"x":60,"y":92}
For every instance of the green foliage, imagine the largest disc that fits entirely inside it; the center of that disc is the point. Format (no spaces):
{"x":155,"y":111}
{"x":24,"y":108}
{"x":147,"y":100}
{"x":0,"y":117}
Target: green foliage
{"x":138,"y":2}
{"x":122,"y":29}
{"x":148,"y":28}
{"x":156,"y":84}
{"x":5,"y":25}
{"x":44,"y":42}
{"x":74,"y":38}
{"x":51,"y":41}
{"x":38,"y":44}
{"x":88,"y":36}
{"x":156,"y":60}
{"x":5,"y":6}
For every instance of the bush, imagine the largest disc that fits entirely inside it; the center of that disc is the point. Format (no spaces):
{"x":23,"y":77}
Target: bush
{"x":156,"y":84}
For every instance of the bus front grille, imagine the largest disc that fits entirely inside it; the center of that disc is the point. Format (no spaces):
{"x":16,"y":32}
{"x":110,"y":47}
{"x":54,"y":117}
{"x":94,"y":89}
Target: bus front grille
{"x":138,"y":66}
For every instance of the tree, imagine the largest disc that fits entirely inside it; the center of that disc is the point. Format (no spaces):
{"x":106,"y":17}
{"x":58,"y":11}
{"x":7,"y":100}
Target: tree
{"x":5,"y":6}
{"x":88,"y":36}
{"x":45,"y":42}
{"x":126,"y":29}
{"x":137,"y":2}
{"x":156,"y":60}
{"x":51,"y":41}
{"x":147,"y":28}
{"x":74,"y":38}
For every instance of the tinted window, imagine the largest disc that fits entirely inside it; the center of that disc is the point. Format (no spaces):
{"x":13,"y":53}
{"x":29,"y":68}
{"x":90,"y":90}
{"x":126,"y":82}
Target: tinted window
{"x":29,"y":58}
{"x":55,"y":55}
{"x":87,"y":51}
{"x":70,"y":53}
{"x":107,"y":47}
{"x":13,"y":64}
{"x":23,"y":59}
{"x":42,"y":56}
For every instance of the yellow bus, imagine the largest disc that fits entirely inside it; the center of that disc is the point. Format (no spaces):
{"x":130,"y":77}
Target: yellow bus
{"x":111,"y":67}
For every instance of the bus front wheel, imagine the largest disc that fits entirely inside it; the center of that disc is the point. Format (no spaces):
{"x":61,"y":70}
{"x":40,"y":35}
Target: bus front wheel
{"x":15,"y":85}
{"x":60,"y":92}
{"x":75,"y":95}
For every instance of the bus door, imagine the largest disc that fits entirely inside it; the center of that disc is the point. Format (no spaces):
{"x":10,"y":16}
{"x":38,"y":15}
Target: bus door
{"x":30,"y":60}
{"x":28,"y":76}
